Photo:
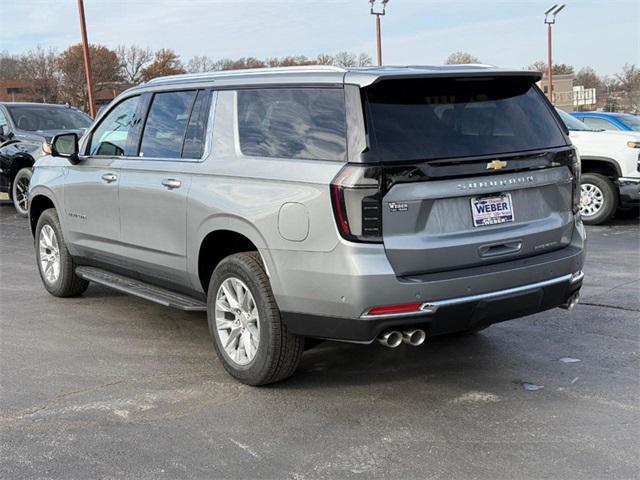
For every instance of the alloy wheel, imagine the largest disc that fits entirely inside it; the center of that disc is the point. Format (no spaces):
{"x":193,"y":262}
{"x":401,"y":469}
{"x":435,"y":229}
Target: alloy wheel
{"x":49,"y":254}
{"x":591,"y":199}
{"x":237,"y":321}
{"x":22,"y":194}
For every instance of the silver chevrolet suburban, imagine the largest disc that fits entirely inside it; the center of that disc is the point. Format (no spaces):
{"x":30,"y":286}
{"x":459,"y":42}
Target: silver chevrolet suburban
{"x":389,"y":203}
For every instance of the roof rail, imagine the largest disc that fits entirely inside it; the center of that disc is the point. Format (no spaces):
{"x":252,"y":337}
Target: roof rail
{"x":245,"y":71}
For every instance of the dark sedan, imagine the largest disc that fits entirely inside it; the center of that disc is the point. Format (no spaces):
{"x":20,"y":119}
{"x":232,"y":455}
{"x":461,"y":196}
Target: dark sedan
{"x":23,"y":129}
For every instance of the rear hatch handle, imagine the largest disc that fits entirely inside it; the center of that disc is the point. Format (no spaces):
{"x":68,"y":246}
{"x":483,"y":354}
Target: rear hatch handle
{"x":497,"y":249}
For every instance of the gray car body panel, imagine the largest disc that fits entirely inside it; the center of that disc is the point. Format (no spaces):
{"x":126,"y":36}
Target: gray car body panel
{"x":283,"y":206}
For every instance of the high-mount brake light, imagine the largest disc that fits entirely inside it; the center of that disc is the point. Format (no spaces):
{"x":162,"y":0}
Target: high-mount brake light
{"x":357,"y":203}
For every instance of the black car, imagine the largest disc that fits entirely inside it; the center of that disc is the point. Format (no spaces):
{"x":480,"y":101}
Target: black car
{"x":23,"y":129}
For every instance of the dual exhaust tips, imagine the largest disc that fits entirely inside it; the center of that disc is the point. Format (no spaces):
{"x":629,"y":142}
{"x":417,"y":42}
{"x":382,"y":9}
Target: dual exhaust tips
{"x":393,"y":338}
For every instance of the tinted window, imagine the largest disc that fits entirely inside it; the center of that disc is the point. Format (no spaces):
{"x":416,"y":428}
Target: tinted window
{"x":599,"y":123}
{"x":571,"y":122}
{"x":631,"y":121}
{"x":166,"y":124}
{"x":110,"y":138}
{"x":3,"y":120}
{"x":194,"y":138}
{"x":436,"y":118}
{"x":34,"y":118}
{"x":307,"y":123}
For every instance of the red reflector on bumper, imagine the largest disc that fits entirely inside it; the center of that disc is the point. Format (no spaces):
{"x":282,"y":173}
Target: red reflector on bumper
{"x":407,"y":307}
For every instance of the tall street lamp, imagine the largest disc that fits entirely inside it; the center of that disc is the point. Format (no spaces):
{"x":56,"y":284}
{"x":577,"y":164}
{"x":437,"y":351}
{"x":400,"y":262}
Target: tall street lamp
{"x":378,"y":12}
{"x":87,"y":60}
{"x":550,"y":19}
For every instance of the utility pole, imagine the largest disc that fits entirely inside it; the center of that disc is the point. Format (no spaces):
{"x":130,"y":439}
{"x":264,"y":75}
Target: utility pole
{"x":378,"y":13}
{"x":550,"y":19}
{"x":87,"y":60}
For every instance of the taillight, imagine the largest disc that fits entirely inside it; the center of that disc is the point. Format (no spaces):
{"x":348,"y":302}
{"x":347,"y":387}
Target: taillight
{"x":357,"y":203}
{"x":576,"y":170}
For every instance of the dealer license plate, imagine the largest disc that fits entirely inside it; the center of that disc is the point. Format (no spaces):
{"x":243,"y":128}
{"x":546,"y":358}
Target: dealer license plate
{"x":491,"y":210}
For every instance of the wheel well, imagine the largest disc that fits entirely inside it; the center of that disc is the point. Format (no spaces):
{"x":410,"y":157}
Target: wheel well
{"x":603,"y":167}
{"x":18,"y":164}
{"x":216,"y":246}
{"x":38,"y":204}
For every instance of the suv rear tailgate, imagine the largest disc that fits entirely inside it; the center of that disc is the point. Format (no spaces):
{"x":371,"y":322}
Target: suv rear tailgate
{"x":428,"y":226}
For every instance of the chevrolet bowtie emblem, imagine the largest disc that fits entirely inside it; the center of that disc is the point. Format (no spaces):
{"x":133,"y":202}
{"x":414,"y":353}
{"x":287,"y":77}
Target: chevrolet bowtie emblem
{"x":496,"y":165}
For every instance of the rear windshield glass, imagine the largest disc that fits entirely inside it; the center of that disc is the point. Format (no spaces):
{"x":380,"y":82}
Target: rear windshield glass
{"x":35,"y":118}
{"x":444,"y":118}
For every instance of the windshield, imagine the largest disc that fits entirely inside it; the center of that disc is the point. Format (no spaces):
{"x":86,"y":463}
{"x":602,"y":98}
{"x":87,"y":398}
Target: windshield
{"x":631,"y":121}
{"x":423,"y":119}
{"x":37,"y":118}
{"x":572,"y":122}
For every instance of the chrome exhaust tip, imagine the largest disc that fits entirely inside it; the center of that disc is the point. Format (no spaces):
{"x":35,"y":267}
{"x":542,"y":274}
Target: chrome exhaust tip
{"x":414,"y":337}
{"x":390,"y":338}
{"x":571,"y":302}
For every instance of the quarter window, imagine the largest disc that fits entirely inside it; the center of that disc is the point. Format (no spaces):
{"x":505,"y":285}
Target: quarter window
{"x":305,"y":123}
{"x":166,"y":125}
{"x":110,"y":138}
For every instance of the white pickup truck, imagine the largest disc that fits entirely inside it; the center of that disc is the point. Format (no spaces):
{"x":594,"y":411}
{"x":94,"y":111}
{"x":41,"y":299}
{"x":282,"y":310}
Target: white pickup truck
{"x":610,"y":170}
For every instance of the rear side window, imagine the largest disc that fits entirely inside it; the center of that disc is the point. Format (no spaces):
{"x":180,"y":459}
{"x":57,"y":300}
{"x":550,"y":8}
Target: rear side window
{"x":599,"y":123}
{"x":166,"y":124}
{"x":305,"y":123}
{"x":194,"y":138}
{"x":445,"y":118}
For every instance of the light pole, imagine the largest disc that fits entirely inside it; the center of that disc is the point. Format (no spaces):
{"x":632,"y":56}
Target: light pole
{"x":550,"y":19}
{"x":87,"y":61}
{"x":378,"y":12}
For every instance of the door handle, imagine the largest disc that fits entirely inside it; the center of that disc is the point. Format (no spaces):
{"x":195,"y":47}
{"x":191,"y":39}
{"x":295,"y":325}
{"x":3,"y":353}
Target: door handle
{"x":109,"y":177}
{"x":171,"y":183}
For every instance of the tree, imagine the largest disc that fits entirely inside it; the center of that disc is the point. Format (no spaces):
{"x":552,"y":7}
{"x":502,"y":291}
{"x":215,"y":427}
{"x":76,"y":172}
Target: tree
{"x":39,"y":68}
{"x":364,"y":60}
{"x":345,"y":59}
{"x":459,"y":58}
{"x":199,"y":64}
{"x":105,"y":68}
{"x":10,"y":68}
{"x":558,"y":68}
{"x":587,"y":78}
{"x":132,"y":60}
{"x":165,"y":62}
{"x":324,"y":59}
{"x":629,"y":82}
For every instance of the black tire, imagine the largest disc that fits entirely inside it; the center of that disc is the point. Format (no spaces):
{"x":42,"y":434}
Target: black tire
{"x":609,"y":199}
{"x":67,"y":283}
{"x":279,"y":352}
{"x":20,"y":190}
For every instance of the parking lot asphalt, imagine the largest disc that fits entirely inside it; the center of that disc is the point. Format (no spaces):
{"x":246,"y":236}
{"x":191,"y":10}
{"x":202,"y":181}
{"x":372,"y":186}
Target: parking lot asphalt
{"x":110,"y":386}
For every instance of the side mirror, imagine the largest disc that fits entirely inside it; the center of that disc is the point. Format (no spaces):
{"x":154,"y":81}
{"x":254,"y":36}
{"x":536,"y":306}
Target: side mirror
{"x":65,"y":145}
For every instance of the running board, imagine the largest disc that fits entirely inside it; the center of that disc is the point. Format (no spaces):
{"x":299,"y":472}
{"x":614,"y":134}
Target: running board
{"x":140,"y":289}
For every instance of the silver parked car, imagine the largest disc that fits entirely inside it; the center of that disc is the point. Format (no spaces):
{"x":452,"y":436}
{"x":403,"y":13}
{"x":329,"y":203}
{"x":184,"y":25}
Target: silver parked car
{"x":360,"y":204}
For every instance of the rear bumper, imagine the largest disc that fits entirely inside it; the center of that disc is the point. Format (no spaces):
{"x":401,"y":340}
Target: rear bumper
{"x":629,"y":191}
{"x":446,"y":316}
{"x":326,"y":294}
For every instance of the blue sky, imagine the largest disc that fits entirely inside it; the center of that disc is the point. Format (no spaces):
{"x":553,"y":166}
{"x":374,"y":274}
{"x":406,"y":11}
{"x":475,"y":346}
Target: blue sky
{"x":604,"y":34}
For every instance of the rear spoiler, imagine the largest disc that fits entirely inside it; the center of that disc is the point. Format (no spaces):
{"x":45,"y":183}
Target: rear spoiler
{"x":364,"y":78}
